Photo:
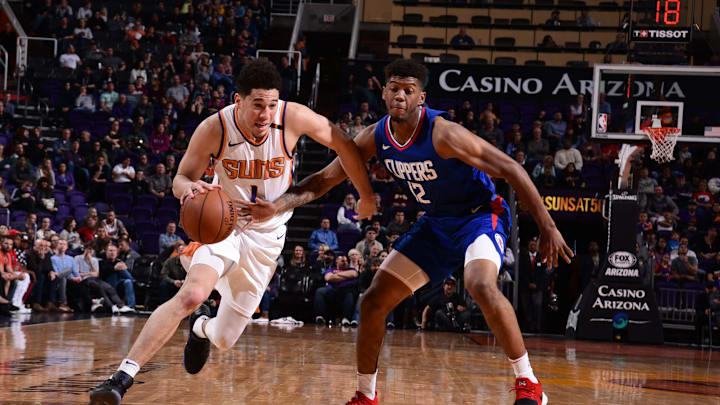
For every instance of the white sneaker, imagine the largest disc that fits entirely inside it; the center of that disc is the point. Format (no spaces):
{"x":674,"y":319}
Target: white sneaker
{"x":345,"y":322}
{"x":95,"y":306}
{"x":115,"y":309}
{"x":261,"y":320}
{"x":319,"y":320}
{"x":21,"y":310}
{"x":126,"y":308}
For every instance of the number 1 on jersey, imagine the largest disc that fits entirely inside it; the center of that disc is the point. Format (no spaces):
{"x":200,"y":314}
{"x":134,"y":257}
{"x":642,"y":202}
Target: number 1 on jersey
{"x":418,"y":191}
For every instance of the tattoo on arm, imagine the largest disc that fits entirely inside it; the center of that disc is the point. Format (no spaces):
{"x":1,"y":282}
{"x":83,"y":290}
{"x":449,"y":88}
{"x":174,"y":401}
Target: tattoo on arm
{"x":307,"y":190}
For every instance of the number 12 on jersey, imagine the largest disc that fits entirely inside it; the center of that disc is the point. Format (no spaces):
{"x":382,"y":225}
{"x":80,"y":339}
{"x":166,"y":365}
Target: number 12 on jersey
{"x":418,"y":191}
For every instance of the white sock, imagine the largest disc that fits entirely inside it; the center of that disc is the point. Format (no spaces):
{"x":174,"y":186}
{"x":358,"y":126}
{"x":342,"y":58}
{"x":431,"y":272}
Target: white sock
{"x":197,"y":327}
{"x":522,"y":368}
{"x":366,"y":384}
{"x":129,"y":367}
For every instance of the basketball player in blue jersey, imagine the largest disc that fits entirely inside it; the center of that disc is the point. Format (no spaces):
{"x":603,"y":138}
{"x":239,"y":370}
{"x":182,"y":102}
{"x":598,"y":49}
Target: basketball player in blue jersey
{"x":447,"y":169}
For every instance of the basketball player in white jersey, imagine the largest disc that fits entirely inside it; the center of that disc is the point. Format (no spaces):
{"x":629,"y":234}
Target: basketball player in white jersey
{"x":251,"y":144}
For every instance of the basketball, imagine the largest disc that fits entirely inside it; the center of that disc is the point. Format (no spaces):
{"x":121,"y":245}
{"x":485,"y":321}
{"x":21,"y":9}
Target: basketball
{"x":209,"y":217}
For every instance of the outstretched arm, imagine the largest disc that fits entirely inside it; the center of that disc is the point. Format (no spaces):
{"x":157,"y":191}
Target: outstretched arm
{"x":313,"y":186}
{"x":453,"y":141}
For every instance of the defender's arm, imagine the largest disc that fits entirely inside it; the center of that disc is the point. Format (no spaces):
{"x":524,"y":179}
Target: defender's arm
{"x":454,"y":141}
{"x":313,"y":186}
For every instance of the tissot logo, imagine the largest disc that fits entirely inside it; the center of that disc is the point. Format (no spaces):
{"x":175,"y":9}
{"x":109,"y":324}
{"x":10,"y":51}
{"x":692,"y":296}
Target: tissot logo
{"x":622,"y":259}
{"x":661,"y":34}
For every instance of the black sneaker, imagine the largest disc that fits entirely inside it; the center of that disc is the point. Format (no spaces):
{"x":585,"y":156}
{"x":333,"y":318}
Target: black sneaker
{"x":112,"y":390}
{"x":197,"y":349}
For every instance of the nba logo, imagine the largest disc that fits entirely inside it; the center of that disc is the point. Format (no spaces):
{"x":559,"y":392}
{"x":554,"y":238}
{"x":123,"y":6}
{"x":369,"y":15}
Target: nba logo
{"x":602,"y":123}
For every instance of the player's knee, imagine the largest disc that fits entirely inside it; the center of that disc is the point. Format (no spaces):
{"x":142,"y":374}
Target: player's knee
{"x":228,"y":336}
{"x":191,"y":298}
{"x":481,"y":287}
{"x":224,"y":343}
{"x":373,"y":302}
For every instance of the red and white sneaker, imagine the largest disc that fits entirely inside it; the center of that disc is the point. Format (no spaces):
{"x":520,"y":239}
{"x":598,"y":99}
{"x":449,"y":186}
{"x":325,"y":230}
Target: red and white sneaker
{"x":529,"y":393}
{"x":361,"y":399}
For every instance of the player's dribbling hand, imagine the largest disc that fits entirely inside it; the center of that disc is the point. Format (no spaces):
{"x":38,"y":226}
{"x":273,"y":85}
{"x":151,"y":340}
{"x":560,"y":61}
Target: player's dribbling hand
{"x":553,"y":245}
{"x":258,"y":211}
{"x":197,"y":187}
{"x":366,"y":208}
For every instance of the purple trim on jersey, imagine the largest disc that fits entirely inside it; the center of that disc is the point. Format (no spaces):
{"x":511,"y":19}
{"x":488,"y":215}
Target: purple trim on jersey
{"x":283,"y":130}
{"x":222,"y":136}
{"x":250,"y":139}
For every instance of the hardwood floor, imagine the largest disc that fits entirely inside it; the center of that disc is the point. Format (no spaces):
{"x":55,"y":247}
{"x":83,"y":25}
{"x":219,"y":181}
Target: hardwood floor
{"x":57,"y":363}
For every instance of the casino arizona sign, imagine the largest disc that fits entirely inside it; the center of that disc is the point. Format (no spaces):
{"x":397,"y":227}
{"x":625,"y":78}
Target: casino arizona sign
{"x":545,"y":82}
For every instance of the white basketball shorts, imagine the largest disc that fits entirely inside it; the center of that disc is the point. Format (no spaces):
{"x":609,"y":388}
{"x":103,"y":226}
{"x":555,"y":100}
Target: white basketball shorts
{"x":255,"y":254}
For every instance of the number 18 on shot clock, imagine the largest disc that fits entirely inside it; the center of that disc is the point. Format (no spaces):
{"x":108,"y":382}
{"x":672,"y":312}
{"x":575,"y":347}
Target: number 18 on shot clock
{"x":662,"y":20}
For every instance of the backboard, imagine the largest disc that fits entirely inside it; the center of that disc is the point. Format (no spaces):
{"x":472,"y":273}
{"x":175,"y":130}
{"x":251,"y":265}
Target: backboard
{"x":626,"y":98}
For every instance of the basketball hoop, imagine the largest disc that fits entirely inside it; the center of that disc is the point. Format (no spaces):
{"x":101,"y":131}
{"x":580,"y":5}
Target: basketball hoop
{"x":663,"y":141}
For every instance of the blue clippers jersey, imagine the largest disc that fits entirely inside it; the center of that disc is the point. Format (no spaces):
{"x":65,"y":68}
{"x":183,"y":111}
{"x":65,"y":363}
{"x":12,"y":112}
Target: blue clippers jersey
{"x":442,"y":187}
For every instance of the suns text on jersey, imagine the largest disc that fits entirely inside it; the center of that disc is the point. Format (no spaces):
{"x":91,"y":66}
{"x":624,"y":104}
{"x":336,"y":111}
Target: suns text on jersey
{"x":254,"y":169}
{"x":413,"y":171}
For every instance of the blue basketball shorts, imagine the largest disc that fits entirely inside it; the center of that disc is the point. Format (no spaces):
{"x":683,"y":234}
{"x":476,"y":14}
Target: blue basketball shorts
{"x":439,"y":245}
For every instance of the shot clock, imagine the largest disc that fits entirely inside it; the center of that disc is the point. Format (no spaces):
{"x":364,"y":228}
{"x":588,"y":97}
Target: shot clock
{"x":662,"y":20}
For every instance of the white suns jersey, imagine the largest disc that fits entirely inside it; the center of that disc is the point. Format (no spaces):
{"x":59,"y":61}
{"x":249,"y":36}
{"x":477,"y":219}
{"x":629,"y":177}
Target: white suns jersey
{"x":248,"y":169}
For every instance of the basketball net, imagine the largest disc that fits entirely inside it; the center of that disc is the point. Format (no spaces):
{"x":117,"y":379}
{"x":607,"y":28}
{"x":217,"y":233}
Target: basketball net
{"x":663,"y":140}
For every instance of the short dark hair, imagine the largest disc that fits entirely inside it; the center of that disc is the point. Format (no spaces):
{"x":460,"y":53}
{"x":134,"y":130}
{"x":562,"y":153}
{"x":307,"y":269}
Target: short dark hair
{"x":406,"y":68}
{"x":258,"y":74}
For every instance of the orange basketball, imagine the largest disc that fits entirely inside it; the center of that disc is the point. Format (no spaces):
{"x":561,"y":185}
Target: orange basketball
{"x":209,"y":217}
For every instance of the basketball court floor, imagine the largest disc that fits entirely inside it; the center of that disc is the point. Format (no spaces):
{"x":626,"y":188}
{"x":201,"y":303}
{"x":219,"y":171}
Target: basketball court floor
{"x":57,"y":360}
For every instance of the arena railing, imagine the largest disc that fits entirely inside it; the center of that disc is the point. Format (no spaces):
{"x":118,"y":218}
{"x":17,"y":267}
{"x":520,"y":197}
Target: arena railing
{"x":677,"y":307}
{"x":23,"y":45}
{"x":5,"y":65}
